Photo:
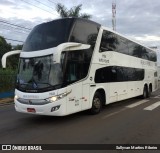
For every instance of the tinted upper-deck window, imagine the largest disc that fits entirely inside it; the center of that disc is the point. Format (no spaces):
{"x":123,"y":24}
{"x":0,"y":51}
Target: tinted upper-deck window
{"x":48,"y":35}
{"x":113,"y":42}
{"x":109,"y":41}
{"x":85,"y":32}
{"x":51,"y":34}
{"x":122,"y":45}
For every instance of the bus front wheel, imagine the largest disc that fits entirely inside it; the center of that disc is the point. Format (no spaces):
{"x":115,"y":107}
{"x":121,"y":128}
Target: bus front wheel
{"x":96,"y":103}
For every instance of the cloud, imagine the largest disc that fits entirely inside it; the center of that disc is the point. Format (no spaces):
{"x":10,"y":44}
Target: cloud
{"x":133,"y":18}
{"x":7,"y":2}
{"x":139,"y":20}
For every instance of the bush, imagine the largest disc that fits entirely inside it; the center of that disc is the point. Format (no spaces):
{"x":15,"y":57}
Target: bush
{"x":7,"y":80}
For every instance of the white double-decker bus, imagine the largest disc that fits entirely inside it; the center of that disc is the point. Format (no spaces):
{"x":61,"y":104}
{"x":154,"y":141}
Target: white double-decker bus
{"x":70,"y":65}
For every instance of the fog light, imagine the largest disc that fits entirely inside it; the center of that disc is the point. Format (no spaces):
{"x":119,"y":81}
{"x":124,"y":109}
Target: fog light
{"x":55,"y":108}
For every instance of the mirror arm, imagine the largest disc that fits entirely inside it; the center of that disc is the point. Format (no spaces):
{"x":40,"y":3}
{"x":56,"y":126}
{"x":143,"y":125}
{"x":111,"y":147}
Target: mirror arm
{"x":6,"y":55}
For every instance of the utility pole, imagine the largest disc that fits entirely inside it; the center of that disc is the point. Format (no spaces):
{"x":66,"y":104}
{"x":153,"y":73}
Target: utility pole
{"x":114,"y":15}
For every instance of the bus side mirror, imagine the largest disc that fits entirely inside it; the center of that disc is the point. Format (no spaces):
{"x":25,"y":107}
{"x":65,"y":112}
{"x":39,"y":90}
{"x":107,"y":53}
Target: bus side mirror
{"x":6,"y":55}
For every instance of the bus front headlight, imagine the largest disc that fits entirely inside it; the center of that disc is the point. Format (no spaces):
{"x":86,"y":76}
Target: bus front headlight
{"x":52,"y":99}
{"x":58,"y":97}
{"x":16,"y":97}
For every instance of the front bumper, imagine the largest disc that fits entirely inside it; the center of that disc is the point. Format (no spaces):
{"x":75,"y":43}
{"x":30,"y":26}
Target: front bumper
{"x":57,"y":108}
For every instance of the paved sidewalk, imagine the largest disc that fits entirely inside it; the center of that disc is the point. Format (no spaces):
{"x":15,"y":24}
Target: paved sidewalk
{"x":6,"y":100}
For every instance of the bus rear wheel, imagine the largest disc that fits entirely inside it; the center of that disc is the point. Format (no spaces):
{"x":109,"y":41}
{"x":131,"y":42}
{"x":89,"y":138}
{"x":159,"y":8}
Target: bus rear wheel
{"x":149,"y":90}
{"x":145,"y":92}
{"x":96,"y":104}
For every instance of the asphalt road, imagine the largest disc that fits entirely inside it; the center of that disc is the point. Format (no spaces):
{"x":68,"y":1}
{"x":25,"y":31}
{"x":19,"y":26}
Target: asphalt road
{"x":133,"y":121}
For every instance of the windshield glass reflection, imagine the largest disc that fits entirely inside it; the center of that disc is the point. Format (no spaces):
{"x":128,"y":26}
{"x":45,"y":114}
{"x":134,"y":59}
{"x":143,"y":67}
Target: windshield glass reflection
{"x":39,"y":72}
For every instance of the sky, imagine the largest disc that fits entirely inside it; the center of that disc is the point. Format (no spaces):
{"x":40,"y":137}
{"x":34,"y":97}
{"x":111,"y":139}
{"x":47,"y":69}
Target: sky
{"x":136,"y":19}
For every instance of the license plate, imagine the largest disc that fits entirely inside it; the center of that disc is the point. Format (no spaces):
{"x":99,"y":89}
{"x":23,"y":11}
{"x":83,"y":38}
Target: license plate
{"x":32,"y":110}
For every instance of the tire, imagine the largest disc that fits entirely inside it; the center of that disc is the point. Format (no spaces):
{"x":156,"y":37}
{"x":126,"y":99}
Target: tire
{"x":145,"y":92}
{"x":149,"y":91}
{"x":96,"y":104}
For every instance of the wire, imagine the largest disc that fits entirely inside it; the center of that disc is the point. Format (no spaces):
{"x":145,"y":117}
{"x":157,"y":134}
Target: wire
{"x":3,"y":21}
{"x":13,"y":29}
{"x":14,"y":32}
{"x":13,"y":40}
{"x":52,"y":2}
{"x":38,"y":7}
{"x":13,"y":26}
{"x":44,"y":4}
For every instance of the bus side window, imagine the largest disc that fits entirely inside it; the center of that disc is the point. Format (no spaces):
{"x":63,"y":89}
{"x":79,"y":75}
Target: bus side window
{"x":155,"y":74}
{"x":122,"y":45}
{"x":113,"y":74}
{"x":108,"y":41}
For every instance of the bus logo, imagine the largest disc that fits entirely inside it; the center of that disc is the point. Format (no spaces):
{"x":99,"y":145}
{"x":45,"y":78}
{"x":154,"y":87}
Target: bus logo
{"x":6,"y":147}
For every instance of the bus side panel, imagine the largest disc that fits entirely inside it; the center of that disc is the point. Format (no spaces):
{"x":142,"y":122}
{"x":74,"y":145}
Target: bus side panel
{"x":113,"y":93}
{"x":122,"y":90}
{"x":85,"y":97}
{"x":139,"y":85}
{"x":74,"y":99}
{"x":131,"y":89}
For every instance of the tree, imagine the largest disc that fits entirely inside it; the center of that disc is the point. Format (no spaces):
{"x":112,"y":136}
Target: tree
{"x":18,"y":47}
{"x":4,"y":47}
{"x":72,"y":12}
{"x":12,"y":61}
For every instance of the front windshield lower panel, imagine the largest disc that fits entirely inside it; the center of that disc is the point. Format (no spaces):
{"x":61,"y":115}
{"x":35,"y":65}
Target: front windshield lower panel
{"x":38,"y":74}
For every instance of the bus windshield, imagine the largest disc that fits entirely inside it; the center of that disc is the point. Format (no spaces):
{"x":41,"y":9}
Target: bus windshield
{"x":38,"y":73}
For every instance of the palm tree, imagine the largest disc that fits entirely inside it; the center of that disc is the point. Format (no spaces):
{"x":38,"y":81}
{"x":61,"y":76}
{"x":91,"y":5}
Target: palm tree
{"x":72,"y":12}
